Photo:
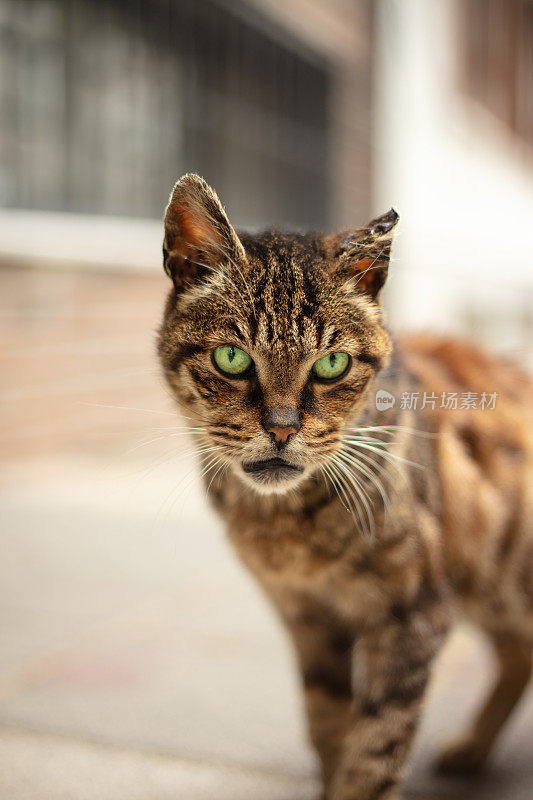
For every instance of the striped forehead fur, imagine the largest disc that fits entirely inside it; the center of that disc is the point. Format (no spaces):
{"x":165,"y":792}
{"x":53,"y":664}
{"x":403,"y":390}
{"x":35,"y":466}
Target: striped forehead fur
{"x":295,"y":299}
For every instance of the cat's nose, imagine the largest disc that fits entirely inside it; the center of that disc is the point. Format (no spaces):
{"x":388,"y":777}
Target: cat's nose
{"x":280,"y":423}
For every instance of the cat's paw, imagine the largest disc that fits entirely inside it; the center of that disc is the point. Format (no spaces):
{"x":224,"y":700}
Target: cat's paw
{"x":464,"y":755}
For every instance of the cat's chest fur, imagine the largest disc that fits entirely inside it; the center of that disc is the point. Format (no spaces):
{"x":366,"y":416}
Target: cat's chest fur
{"x":321,"y":554}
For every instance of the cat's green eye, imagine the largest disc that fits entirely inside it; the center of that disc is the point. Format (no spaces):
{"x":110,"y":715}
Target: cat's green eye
{"x":332,"y":366}
{"x":231,"y":359}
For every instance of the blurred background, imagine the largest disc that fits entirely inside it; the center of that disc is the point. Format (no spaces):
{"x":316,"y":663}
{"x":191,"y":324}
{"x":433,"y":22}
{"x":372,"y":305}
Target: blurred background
{"x":136,"y":657}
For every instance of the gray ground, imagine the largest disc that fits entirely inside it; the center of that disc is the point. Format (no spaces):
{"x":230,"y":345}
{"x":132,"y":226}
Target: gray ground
{"x":138,"y":659}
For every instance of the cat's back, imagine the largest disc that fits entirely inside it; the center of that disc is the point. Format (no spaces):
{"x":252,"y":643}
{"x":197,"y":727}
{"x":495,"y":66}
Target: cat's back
{"x":455,"y":365}
{"x":483,"y":418}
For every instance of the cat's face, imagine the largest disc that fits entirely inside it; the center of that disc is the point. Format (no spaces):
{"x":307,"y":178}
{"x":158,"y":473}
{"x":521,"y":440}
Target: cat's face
{"x":269,"y":343}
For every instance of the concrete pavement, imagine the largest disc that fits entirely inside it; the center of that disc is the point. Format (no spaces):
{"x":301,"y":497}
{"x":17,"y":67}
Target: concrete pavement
{"x":136,"y":649}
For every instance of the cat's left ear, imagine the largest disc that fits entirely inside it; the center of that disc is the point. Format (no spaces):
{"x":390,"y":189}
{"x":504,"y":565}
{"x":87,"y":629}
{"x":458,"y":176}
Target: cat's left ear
{"x":198,"y":234}
{"x":365,"y":253}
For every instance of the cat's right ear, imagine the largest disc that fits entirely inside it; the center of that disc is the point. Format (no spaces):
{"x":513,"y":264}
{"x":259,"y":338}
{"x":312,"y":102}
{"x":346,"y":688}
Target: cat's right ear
{"x":198,"y":234}
{"x":364,"y":254}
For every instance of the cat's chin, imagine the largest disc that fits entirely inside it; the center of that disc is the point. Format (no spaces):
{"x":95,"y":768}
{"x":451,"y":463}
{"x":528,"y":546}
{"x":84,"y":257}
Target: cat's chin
{"x":272,"y":476}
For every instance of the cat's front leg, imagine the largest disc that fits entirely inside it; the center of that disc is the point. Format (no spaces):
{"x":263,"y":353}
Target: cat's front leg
{"x":394,"y":664}
{"x":324,"y":650}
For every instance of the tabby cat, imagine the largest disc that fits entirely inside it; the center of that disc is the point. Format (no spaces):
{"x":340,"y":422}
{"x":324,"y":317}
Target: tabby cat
{"x":370,"y":525}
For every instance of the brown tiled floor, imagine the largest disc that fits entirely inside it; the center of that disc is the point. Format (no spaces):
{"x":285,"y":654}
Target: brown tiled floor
{"x":138,"y":661}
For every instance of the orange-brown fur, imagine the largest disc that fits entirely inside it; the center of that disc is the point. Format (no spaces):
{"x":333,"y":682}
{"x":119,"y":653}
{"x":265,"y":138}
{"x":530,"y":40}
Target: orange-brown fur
{"x":385,"y":582}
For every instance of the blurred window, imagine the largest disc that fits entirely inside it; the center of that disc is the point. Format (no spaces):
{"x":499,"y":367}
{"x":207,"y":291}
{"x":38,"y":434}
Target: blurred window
{"x":105,"y":104}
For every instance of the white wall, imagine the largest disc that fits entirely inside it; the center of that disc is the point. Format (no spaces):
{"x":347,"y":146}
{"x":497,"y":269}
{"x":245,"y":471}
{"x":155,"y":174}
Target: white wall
{"x":462,"y":260}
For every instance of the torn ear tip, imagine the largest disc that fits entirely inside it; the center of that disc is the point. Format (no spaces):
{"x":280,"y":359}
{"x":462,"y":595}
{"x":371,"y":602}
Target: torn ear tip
{"x":389,"y":219}
{"x":385,"y":223}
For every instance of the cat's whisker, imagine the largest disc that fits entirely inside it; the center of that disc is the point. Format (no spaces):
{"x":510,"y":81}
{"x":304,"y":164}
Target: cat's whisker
{"x":353,"y":461}
{"x":335,"y":478}
{"x":167,"y":456}
{"x":377,"y":259}
{"x":180,"y":488}
{"x":386,"y":429}
{"x":206,"y":420}
{"x":156,"y":429}
{"x":212,"y":455}
{"x":128,"y":408}
{"x":382,"y":451}
{"x":177,"y":454}
{"x":176,"y":432}
{"x":373,"y":435}
{"x":394,"y":461}
{"x":145,"y":444}
{"x":378,"y":469}
{"x":356,"y":488}
{"x":161,"y":438}
{"x":353,"y":481}
{"x":344,"y":485}
{"x":365,"y":272}
{"x":223,"y":463}
{"x":373,"y":440}
{"x":384,"y":445}
{"x":191,"y":432}
{"x":391,"y":429}
{"x":323,"y":476}
{"x":331,"y":475}
{"x":373,"y":475}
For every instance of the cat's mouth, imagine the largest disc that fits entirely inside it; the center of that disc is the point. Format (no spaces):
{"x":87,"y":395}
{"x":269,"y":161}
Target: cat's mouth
{"x":271,"y":470}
